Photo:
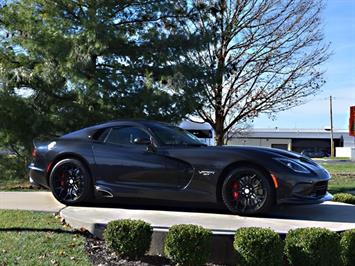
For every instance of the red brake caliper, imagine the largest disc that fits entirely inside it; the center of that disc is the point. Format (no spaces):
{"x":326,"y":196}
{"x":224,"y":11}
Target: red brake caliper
{"x":62,"y":179}
{"x":234,"y":190}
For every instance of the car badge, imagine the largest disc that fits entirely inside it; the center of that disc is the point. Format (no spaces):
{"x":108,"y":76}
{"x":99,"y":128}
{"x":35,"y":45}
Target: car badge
{"x":205,"y":172}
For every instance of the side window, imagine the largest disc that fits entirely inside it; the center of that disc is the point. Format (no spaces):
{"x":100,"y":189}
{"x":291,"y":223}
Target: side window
{"x":126,"y":135}
{"x":101,"y":134}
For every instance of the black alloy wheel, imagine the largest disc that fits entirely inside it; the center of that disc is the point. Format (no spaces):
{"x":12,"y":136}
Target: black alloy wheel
{"x":247,"y":191}
{"x":70,"y":182}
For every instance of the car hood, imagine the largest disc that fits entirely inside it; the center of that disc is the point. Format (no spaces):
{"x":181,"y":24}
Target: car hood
{"x":222,"y":155}
{"x":254,"y":149}
{"x":264,"y":153}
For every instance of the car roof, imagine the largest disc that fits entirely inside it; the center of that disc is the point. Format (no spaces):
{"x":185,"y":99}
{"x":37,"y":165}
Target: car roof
{"x":132,"y":121}
{"x":89,"y":131}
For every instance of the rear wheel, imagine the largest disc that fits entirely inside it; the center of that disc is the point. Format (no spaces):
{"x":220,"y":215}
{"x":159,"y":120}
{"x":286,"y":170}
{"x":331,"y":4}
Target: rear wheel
{"x":70,"y":182}
{"x":247,"y":190}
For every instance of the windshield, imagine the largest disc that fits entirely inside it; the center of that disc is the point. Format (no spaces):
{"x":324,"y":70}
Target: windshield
{"x":172,"y":135}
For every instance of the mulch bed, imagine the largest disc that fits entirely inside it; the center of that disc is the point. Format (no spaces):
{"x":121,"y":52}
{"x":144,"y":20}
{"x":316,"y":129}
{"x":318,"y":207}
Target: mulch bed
{"x":101,"y":255}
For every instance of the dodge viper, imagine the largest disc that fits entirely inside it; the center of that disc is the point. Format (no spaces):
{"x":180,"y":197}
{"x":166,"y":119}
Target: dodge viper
{"x":154,"y":160}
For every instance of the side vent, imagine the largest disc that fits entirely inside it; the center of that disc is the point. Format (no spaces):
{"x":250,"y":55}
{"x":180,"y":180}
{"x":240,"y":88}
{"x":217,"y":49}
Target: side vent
{"x":103,"y":192}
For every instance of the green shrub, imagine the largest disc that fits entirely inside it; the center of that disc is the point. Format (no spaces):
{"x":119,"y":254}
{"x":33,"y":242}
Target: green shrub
{"x":188,"y":244}
{"x":344,"y":197}
{"x":347,"y":244}
{"x":258,"y":246}
{"x":128,"y":238}
{"x":312,"y":247}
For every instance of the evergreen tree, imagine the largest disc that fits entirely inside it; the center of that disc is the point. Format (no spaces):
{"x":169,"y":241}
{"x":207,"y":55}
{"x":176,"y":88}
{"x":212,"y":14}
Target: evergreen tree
{"x":66,"y":64}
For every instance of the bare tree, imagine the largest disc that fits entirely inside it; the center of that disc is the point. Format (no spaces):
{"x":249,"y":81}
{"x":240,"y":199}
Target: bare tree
{"x":239,"y":130}
{"x":264,"y":56}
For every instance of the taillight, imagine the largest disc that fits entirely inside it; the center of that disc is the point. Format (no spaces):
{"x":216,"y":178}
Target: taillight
{"x":34,"y":152}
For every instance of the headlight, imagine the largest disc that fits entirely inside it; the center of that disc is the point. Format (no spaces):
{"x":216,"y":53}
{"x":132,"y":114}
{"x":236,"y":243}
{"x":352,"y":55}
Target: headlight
{"x":296,"y":167}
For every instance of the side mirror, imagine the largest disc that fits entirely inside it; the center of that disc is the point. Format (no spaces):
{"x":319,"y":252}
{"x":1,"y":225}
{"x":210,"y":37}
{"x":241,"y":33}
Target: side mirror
{"x":151,"y":148}
{"x":141,"y":141}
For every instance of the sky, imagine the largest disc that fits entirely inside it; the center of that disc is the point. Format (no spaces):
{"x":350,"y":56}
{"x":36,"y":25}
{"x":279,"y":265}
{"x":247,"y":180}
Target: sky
{"x":339,"y":30}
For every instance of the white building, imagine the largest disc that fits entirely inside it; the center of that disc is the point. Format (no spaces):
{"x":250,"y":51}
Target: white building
{"x":200,"y":129}
{"x":299,"y":140}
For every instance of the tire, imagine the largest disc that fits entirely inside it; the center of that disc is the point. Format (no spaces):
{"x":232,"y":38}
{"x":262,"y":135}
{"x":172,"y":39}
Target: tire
{"x":70,"y":182}
{"x":247,"y":191}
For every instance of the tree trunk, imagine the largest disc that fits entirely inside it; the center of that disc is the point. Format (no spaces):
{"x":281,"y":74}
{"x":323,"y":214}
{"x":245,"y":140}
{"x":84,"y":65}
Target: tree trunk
{"x":219,"y":117}
{"x":219,"y":131}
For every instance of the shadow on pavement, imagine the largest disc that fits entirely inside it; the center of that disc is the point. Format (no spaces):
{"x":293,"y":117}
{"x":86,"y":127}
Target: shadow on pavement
{"x":328,"y":212}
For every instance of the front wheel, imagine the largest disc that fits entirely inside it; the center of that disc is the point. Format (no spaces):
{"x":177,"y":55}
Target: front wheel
{"x":70,"y":182}
{"x":246,"y":191}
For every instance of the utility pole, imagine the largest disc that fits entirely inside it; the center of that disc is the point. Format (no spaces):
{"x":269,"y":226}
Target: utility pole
{"x":331,"y":127}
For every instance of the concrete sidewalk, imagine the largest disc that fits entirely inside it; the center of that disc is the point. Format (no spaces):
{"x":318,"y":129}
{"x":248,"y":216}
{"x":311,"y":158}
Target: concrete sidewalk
{"x":29,"y":201}
{"x":331,"y":215}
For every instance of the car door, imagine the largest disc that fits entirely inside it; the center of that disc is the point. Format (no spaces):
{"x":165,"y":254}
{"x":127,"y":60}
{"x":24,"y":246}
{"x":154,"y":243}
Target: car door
{"x":122,"y":159}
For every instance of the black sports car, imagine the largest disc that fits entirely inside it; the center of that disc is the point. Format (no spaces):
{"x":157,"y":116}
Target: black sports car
{"x":153,"y":160}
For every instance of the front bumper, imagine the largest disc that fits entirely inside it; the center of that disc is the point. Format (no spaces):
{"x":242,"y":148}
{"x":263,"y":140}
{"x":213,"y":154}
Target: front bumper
{"x":306,"y":200}
{"x":297,"y":189}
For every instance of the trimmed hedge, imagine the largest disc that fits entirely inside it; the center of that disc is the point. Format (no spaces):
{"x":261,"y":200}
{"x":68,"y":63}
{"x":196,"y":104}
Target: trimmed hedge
{"x":344,"y":197}
{"x":128,"y":238}
{"x":188,"y":244}
{"x":347,"y":244}
{"x":312,"y":247}
{"x":258,"y":246}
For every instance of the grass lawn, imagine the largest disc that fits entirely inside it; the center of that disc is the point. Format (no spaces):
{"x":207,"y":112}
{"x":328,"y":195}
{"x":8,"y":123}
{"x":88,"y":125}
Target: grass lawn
{"x":13,"y":175}
{"x":16,"y":185}
{"x":343,"y":177}
{"x":35,"y":238}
